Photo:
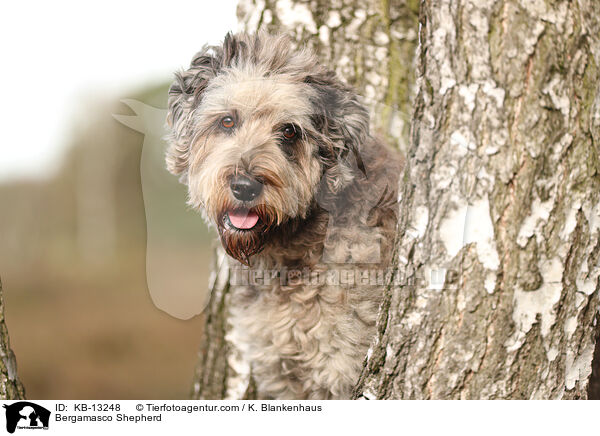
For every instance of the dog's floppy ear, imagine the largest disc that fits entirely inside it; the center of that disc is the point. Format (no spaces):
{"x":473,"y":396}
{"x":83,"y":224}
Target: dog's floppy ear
{"x":185,"y":94}
{"x":344,"y":123}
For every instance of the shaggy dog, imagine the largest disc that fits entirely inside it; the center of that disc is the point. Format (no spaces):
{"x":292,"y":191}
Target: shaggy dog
{"x":277,"y":155}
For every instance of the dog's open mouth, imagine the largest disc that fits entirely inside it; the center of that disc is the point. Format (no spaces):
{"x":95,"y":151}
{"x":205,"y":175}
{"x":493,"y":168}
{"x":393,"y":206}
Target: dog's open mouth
{"x":241,"y":219}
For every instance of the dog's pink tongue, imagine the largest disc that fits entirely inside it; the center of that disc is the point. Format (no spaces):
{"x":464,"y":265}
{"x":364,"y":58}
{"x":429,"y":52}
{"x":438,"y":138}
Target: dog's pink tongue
{"x":243,"y":219}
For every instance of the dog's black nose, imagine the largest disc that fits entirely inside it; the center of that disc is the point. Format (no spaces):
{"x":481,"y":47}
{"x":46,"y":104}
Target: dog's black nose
{"x":245,"y":188}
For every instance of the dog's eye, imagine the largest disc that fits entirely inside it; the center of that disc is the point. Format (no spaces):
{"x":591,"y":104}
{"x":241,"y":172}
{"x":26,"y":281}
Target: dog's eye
{"x":289,"y":132}
{"x":227,"y":122}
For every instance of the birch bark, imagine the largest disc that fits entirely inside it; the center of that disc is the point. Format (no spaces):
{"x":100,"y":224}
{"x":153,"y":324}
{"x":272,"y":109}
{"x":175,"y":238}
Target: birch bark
{"x":499,"y":227}
{"x":10,"y":385}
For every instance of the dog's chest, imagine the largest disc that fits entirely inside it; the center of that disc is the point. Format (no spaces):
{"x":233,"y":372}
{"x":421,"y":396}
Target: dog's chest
{"x":303,"y":338}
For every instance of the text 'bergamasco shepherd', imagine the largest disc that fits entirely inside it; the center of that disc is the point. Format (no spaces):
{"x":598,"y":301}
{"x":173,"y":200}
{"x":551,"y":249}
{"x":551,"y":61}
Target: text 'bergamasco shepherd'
{"x":277,"y":155}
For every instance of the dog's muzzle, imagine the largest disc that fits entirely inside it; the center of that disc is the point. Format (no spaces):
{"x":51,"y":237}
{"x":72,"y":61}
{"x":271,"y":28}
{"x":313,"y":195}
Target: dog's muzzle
{"x":246,"y":190}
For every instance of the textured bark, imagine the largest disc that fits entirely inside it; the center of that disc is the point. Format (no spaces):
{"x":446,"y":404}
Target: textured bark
{"x":372,"y":46}
{"x":594,"y":388}
{"x":496,"y":287}
{"x":502,"y":201}
{"x":212,"y":370}
{"x":10,"y":385}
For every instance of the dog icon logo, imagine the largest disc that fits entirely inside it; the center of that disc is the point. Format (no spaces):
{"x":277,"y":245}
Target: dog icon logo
{"x":26,"y":415}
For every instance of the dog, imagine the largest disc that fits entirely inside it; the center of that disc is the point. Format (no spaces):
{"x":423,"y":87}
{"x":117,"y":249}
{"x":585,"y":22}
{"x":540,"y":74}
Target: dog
{"x":276,"y":153}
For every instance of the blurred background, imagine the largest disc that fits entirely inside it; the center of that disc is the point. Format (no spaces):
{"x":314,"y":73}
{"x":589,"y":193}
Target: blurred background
{"x":85,"y":88}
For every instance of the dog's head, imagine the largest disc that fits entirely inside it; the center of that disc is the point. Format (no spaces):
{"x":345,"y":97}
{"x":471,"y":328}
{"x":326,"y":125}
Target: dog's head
{"x":257,"y":131}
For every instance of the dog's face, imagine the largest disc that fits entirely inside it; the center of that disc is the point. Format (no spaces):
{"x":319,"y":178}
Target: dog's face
{"x":257,"y":130}
{"x":253,"y":165}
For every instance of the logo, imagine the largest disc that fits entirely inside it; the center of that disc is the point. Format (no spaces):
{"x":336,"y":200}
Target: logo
{"x":26,"y":415}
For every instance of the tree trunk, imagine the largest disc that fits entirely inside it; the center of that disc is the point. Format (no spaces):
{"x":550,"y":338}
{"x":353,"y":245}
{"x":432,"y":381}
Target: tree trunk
{"x":10,"y":385}
{"x":496,"y":287}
